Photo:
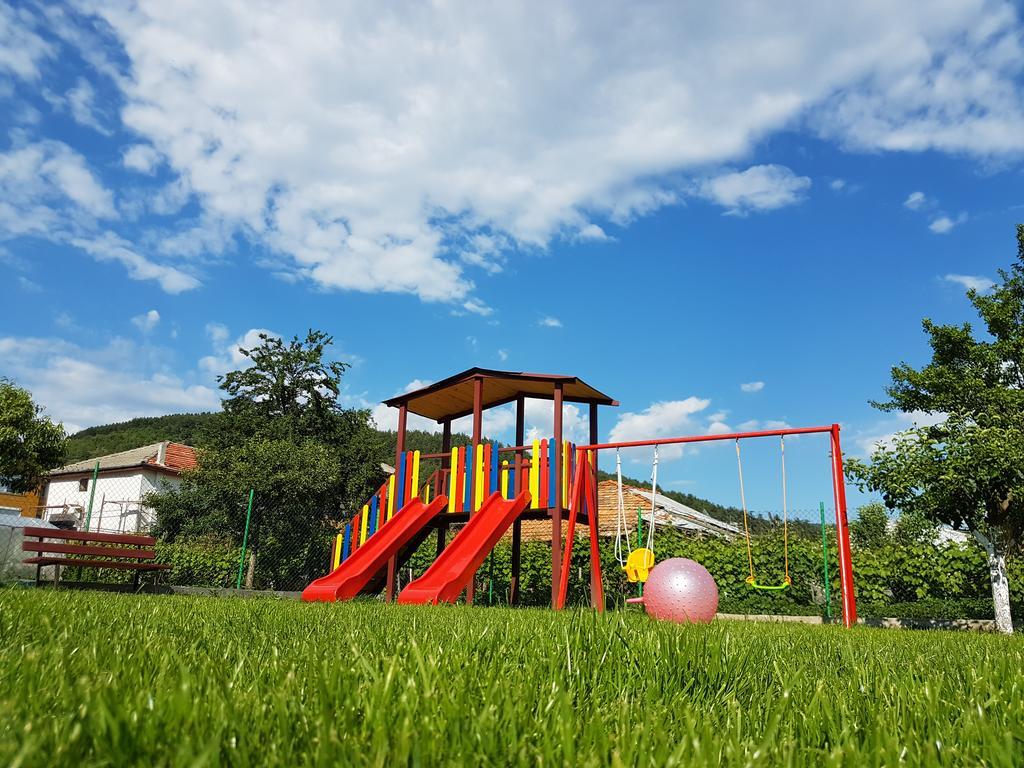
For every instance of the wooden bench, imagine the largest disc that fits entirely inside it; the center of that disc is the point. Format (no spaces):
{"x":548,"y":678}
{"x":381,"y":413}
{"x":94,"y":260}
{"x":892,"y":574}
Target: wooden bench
{"x":61,"y":548}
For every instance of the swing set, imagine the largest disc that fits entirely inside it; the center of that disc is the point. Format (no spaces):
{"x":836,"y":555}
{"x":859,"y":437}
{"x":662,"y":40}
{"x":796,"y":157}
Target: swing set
{"x":637,"y":562}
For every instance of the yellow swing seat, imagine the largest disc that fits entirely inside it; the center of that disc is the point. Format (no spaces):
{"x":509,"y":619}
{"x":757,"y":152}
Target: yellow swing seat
{"x":638,"y":565}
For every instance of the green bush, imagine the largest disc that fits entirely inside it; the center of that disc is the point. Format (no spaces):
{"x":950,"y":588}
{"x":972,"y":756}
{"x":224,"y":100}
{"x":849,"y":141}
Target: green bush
{"x":200,"y":562}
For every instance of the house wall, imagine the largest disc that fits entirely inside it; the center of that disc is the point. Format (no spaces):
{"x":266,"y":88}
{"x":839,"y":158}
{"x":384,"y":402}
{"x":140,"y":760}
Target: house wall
{"x":23,"y":504}
{"x":117,"y":503}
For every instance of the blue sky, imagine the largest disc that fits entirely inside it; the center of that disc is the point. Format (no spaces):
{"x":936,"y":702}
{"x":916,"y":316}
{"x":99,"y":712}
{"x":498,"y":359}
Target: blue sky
{"x":725,"y":218}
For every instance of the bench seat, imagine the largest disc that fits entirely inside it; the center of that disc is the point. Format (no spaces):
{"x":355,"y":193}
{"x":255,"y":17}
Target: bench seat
{"x":96,"y":563}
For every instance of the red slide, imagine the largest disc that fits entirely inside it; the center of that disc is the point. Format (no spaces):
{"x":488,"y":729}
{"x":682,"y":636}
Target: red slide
{"x":351,"y":576}
{"x":450,"y":574}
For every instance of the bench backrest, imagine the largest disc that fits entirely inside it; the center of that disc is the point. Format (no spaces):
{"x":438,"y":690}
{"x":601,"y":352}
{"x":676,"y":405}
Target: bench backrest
{"x":56,"y":540}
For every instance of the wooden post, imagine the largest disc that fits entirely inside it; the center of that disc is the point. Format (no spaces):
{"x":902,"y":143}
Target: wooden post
{"x":446,"y":449}
{"x":592,"y":517}
{"x":478,"y":400}
{"x":556,"y":510}
{"x":403,"y":413}
{"x":517,"y":526}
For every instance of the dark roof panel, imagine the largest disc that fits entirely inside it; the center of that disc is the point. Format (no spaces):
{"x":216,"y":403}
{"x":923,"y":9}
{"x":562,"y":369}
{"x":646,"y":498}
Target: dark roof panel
{"x":452,"y":398}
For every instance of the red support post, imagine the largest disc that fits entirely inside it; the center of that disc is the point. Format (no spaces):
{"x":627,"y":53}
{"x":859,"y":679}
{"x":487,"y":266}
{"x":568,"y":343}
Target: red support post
{"x":849,"y":600}
{"x":596,"y":588}
{"x":556,"y":510}
{"x":478,"y":401}
{"x":403,"y":413}
{"x":517,"y":526}
{"x":575,"y":501}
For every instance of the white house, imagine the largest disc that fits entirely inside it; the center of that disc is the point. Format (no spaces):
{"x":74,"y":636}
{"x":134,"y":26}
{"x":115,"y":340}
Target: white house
{"x":122,"y":483}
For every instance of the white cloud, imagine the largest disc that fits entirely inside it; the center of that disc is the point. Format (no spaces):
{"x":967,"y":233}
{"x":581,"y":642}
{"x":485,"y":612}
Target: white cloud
{"x":759,"y":188}
{"x":29,"y":286}
{"x":883,"y":434}
{"x":21,"y":49}
{"x":456,"y":120}
{"x":503,"y":355}
{"x":837,"y":185}
{"x":549,"y":322}
{"x":82,"y":387}
{"x":140,"y":157}
{"x":147,"y":321}
{"x":38,"y":180}
{"x":81,"y":102}
{"x":671,"y":418}
{"x":477,"y":307}
{"x":978,"y":283}
{"x":227,"y":355}
{"x":915,"y":201}
{"x":110,"y":247}
{"x":943,"y":224}
{"x":752,"y":386}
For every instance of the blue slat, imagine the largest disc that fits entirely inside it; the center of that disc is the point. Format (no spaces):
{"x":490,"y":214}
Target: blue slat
{"x":346,"y":542}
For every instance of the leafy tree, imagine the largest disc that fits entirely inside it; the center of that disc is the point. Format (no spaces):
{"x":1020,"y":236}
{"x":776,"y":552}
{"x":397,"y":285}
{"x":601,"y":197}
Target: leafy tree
{"x":967,"y":470}
{"x":30,"y":443}
{"x":871,"y":528}
{"x":913,"y":527}
{"x":297,"y":492}
{"x":287,"y":386}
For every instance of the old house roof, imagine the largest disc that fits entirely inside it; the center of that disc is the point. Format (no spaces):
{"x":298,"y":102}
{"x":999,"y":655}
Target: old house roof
{"x":164,"y":456}
{"x":667,"y":512}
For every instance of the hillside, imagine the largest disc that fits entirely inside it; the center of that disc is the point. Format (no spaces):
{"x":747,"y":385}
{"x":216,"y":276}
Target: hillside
{"x":110,"y":438}
{"x":190,"y":428}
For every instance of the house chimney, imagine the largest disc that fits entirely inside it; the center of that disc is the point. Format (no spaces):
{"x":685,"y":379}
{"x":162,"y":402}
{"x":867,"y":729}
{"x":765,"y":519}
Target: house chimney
{"x":161,"y":454}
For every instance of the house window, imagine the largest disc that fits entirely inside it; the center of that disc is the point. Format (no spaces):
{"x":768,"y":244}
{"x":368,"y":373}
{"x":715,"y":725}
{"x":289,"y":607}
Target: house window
{"x":83,"y":484}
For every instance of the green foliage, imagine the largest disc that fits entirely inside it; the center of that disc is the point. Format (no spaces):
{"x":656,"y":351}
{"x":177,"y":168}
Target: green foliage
{"x":30,"y":443}
{"x":97,"y":679}
{"x":913,"y":527}
{"x":207,"y":561}
{"x":871,"y":528}
{"x":288,"y":390}
{"x":297,"y":492}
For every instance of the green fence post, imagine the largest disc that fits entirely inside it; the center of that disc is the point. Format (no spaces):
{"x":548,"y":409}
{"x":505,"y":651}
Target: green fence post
{"x":824,"y":552}
{"x":92,"y":495}
{"x":245,"y":540}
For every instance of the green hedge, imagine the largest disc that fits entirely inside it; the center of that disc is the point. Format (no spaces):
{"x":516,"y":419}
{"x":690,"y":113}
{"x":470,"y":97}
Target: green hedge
{"x":917,"y":581}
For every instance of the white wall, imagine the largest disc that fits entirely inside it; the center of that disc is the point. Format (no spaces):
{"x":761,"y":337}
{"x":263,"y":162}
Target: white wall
{"x":117,"y":506}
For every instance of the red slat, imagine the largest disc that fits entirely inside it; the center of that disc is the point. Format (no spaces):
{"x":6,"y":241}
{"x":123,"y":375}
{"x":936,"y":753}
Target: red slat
{"x":107,"y":538}
{"x":96,"y":563}
{"x":87,"y":549}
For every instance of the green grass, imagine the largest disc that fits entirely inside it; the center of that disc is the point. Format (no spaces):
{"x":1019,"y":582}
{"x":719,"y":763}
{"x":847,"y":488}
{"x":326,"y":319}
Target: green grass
{"x":90,"y":679}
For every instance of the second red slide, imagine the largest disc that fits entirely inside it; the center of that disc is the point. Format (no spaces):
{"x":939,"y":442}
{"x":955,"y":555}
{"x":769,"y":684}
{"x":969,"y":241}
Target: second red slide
{"x":346,"y":581}
{"x":444,"y":581}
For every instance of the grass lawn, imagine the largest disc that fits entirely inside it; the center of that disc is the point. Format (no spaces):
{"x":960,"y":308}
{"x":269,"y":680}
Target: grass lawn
{"x":91,"y":679}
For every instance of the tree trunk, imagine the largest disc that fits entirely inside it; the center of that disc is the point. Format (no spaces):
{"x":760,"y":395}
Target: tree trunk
{"x":997,"y":577}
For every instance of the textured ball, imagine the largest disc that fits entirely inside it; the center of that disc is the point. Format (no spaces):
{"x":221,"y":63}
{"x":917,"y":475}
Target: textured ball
{"x":681,"y":590}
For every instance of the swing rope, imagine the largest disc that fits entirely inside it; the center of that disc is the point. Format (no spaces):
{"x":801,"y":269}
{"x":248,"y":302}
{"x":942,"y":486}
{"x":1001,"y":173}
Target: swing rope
{"x":746,"y":525}
{"x":752,"y":579}
{"x":621,"y":525}
{"x":654,"y":501}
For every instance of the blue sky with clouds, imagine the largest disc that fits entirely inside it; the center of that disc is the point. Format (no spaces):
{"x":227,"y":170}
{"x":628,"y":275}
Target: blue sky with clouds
{"x":726,"y":217}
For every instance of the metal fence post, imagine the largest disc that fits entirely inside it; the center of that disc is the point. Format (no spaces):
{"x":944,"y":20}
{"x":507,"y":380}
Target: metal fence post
{"x":245,"y":540}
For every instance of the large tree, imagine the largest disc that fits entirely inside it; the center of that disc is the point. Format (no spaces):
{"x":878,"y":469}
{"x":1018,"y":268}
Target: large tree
{"x":30,"y":443}
{"x":284,"y":434}
{"x":968,"y":469}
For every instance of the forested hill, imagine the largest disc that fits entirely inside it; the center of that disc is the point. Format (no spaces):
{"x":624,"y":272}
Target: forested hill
{"x":184,"y":428}
{"x":194,"y":429}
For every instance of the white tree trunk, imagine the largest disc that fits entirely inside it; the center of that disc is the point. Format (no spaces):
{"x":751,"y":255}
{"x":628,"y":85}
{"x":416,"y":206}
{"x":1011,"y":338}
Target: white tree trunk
{"x":997,"y":577}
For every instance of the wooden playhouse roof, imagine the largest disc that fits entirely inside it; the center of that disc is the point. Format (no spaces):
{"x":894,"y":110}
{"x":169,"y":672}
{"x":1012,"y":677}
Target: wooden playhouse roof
{"x":452,"y":398}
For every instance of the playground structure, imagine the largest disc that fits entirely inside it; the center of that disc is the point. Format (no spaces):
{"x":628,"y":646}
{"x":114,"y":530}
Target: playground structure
{"x":491,"y":488}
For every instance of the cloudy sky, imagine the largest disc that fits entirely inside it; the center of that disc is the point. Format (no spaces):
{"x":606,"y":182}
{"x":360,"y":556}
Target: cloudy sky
{"x":726,"y":215}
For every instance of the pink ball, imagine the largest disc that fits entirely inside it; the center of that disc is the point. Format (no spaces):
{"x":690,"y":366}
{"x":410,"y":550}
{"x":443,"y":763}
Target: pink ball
{"x":681,"y":590}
